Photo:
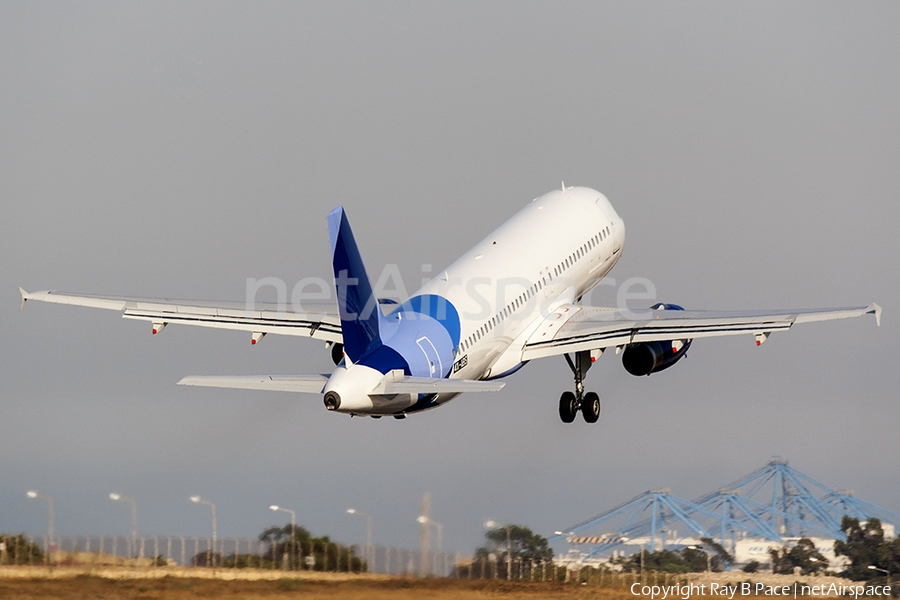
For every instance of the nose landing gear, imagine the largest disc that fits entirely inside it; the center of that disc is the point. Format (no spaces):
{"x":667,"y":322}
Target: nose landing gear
{"x":588,"y":403}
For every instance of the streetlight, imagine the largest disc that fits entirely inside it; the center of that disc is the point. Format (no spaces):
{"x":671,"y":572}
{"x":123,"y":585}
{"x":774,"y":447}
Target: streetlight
{"x":199,"y":500}
{"x":886,"y":572}
{"x":625,"y":540}
{"x":275,"y":507}
{"x":115,"y":496}
{"x":425,"y":520}
{"x":708,"y":569}
{"x":494,"y":525}
{"x":34,"y":494}
{"x":353,"y":511}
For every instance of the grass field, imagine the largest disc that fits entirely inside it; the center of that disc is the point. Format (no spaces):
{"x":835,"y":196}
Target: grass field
{"x":84,"y":587}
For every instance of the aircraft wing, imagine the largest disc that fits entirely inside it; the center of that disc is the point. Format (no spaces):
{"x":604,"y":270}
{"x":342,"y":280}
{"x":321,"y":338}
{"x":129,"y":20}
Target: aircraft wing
{"x":574,"y":328}
{"x":308,"y":384}
{"x":320,"y":321}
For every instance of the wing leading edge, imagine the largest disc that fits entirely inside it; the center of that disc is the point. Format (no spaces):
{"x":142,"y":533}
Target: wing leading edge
{"x":573,"y":328}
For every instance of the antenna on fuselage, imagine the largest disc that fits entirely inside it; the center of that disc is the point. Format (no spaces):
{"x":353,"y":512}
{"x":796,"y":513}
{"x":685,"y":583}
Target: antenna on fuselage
{"x":563,"y":185}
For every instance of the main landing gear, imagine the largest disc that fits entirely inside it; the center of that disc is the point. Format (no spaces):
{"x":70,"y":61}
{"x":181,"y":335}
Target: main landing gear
{"x":588,"y":403}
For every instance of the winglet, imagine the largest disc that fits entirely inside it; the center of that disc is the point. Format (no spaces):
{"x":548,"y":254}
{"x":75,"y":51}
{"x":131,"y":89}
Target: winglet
{"x":873,"y":309}
{"x":24,"y":298}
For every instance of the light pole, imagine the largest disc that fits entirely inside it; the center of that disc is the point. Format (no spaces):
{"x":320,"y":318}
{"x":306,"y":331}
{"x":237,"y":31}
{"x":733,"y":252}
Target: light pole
{"x":425,"y":520}
{"x":199,"y":500}
{"x":275,"y":507}
{"x":885,"y":571}
{"x":353,"y":511}
{"x":34,"y":494}
{"x":708,"y":569}
{"x":625,"y":540}
{"x":494,"y":525}
{"x":569,"y":538}
{"x":115,"y":496}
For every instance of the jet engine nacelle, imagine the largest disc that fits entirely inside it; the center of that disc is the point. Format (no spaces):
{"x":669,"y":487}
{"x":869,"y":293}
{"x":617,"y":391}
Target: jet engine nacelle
{"x":645,"y":358}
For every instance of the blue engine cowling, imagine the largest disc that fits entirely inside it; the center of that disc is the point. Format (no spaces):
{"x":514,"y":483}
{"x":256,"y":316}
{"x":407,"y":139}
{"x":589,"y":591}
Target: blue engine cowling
{"x":645,"y":358}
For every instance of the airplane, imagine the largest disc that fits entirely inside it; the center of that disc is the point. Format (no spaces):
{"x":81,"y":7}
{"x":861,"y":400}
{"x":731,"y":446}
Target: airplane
{"x":515,"y":297}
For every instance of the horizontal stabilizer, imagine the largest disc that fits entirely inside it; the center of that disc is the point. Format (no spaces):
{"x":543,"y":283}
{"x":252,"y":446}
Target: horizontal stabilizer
{"x":398,"y":384}
{"x":307,"y":384}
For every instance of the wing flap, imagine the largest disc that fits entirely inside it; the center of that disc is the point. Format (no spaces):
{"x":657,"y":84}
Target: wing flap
{"x":306,"y":384}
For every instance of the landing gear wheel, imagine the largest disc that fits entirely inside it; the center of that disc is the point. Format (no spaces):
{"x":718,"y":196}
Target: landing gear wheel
{"x":590,"y":407}
{"x":568,"y":407}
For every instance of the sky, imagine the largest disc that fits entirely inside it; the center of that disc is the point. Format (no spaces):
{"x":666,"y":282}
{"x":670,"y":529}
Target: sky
{"x":176,"y":149}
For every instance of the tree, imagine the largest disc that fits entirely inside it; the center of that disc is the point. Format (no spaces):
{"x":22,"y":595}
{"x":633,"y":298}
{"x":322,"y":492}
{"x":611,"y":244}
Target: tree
{"x":803,"y":555}
{"x":751,"y":567}
{"x":668,"y":561}
{"x":865,"y":546}
{"x":514,"y":544}
{"x":327,"y":555}
{"x":687,"y":560}
{"x":19,"y":551}
{"x":207,"y":558}
{"x":720,"y":552}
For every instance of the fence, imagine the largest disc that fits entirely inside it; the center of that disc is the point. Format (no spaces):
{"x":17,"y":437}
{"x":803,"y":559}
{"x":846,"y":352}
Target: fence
{"x":161,"y":552}
{"x":226,"y":553}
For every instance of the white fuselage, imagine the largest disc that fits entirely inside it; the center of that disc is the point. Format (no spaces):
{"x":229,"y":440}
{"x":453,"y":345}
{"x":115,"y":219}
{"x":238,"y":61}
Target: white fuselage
{"x":550,"y":253}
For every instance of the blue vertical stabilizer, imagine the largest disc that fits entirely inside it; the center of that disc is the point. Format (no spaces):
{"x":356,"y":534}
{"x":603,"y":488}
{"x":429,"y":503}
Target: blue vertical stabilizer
{"x":356,"y":301}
